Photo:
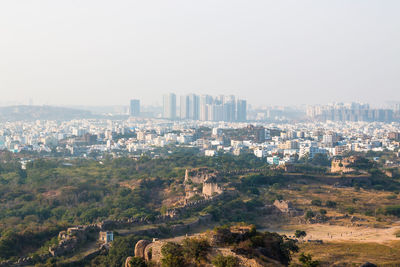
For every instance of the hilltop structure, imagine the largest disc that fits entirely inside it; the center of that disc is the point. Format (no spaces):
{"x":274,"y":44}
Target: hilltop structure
{"x":342,"y":165}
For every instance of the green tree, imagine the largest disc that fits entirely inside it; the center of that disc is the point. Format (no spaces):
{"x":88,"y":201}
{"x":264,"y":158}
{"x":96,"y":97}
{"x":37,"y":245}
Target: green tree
{"x":172,"y":255}
{"x":309,"y":214}
{"x":307,"y":260}
{"x":122,"y":247}
{"x":196,"y":249}
{"x":321,"y":160}
{"x":300,"y":233}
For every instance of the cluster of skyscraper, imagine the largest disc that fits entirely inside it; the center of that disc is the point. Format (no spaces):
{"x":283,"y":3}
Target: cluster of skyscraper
{"x":351,"y":112}
{"x":205,"y":108}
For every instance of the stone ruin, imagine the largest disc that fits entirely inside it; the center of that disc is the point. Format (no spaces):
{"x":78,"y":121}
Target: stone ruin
{"x":70,"y":239}
{"x":208,"y":178}
{"x":199,"y":175}
{"x":342,"y":165}
{"x":282,"y":207}
{"x":211,"y":189}
{"x":287,"y":207}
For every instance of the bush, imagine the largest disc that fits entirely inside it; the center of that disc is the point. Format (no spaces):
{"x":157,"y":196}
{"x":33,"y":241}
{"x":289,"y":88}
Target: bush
{"x":300,"y":233}
{"x":122,"y":247}
{"x":137,"y":262}
{"x":397,"y":233}
{"x":224,"y":234}
{"x":330,"y":204}
{"x":316,"y":202}
{"x":172,"y":255}
{"x":393,"y":210}
{"x":369,"y":213}
{"x":309,"y":214}
{"x":320,"y":160}
{"x":225,"y":261}
{"x":196,"y":249}
{"x":350,"y":210}
{"x":307,"y":260}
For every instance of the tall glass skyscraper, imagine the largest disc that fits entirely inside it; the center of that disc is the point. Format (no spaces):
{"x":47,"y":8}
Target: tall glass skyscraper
{"x":134,"y":108}
{"x":169,"y":106}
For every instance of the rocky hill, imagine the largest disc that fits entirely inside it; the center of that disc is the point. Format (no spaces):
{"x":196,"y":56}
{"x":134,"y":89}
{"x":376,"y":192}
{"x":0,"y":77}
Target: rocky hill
{"x":238,"y":245}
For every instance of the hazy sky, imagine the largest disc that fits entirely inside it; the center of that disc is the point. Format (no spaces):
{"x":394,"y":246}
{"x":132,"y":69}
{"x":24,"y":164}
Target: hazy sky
{"x":98,"y":52}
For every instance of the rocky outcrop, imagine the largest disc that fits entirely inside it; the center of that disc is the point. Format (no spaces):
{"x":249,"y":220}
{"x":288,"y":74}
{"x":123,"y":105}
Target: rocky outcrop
{"x":243,"y":261}
{"x":218,"y":241}
{"x":140,"y":247}
{"x":128,"y":262}
{"x":152,"y":252}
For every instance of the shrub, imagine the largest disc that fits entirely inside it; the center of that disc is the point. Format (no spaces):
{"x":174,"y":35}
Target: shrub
{"x":224,"y":234}
{"x":330,"y":204}
{"x":350,"y":210}
{"x":196,"y":249}
{"x":309,"y":214}
{"x":300,"y":233}
{"x":172,"y":255}
{"x":393,"y":210}
{"x":397,"y":233}
{"x":225,"y":261}
{"x":137,"y":262}
{"x":122,"y":247}
{"x":307,"y":260}
{"x":369,"y":213}
{"x":316,"y":202}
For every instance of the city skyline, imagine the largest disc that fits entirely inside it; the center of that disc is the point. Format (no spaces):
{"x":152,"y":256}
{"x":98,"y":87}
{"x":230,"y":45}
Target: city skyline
{"x":204,"y":107}
{"x":158,"y":102}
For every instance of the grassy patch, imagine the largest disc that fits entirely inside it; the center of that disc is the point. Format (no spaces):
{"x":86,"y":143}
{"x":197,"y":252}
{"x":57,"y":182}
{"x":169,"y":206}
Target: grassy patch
{"x":340,"y":253}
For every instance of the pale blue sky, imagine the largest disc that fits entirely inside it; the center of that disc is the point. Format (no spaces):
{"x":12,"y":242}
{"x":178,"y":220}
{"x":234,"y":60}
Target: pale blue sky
{"x":100,"y":52}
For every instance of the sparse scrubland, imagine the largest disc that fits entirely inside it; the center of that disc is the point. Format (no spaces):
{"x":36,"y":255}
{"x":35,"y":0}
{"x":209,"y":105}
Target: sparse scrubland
{"x":355,"y":216}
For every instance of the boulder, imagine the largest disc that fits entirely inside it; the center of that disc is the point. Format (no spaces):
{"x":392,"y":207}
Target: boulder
{"x":140,"y":247}
{"x":127,"y":262}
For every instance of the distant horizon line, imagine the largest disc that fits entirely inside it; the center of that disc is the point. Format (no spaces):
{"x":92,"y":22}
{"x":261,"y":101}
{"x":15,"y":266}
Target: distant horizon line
{"x":387,"y":103}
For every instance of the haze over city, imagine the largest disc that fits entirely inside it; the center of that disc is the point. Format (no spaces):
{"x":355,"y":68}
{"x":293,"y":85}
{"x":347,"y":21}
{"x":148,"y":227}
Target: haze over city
{"x":269,"y":52}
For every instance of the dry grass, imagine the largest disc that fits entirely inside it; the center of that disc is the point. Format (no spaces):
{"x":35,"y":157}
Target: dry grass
{"x":373,"y":240}
{"x":361,"y":200}
{"x":353,"y":254}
